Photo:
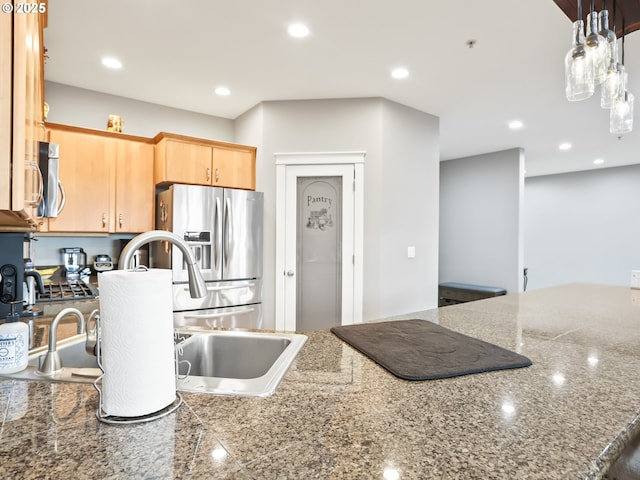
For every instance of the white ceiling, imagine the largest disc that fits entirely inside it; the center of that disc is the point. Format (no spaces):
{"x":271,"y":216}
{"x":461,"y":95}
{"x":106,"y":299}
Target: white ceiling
{"x":176,"y":52}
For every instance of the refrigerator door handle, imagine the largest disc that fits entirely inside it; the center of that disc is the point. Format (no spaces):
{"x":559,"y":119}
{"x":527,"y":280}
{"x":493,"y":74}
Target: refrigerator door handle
{"x":228,"y":233}
{"x":217,"y":236}
{"x":227,"y":287}
{"x":205,"y":316}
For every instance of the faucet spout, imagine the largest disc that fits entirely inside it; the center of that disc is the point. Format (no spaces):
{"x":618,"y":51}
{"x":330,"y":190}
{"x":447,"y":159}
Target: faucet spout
{"x":197,"y":287}
{"x":51,"y":363}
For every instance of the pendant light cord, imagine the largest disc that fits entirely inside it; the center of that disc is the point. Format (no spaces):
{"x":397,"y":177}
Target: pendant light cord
{"x":579,"y":9}
{"x":614,"y":17}
{"x":623,"y":35}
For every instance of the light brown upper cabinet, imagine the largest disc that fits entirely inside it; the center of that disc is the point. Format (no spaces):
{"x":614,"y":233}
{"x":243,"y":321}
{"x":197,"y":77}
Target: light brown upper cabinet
{"x":21,"y":117}
{"x":182,"y":159}
{"x":108,"y":181}
{"x":135,"y":192}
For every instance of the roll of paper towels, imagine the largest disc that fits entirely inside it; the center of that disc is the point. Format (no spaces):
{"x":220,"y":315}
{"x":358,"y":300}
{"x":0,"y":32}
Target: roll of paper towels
{"x":137,"y":349}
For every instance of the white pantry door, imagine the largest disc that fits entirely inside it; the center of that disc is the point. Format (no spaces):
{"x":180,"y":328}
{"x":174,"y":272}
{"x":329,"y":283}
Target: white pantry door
{"x":319,"y":228}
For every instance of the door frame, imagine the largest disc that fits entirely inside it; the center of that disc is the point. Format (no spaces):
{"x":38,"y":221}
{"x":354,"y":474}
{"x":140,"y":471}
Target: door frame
{"x":311,"y":159}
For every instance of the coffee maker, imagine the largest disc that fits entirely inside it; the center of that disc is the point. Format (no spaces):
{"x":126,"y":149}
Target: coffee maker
{"x":12,"y":272}
{"x":32,"y":280}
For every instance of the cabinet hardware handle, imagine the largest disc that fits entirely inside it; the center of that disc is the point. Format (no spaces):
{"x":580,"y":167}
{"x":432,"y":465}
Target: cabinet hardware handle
{"x":208,"y":174}
{"x":217,"y":175}
{"x":120,"y":220}
{"x":104,"y":219}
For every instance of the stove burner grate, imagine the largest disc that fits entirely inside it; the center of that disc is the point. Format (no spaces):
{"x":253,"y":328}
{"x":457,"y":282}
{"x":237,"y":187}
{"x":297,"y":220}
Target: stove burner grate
{"x":67,"y":291}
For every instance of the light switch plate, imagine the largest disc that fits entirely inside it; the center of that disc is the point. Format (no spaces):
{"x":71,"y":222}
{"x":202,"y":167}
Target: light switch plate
{"x":411,"y":253}
{"x":635,"y":279}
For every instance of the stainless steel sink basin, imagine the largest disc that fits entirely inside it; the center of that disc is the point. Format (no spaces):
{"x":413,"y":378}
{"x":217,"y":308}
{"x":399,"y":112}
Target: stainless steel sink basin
{"x":209,"y":361}
{"x":235,"y":362}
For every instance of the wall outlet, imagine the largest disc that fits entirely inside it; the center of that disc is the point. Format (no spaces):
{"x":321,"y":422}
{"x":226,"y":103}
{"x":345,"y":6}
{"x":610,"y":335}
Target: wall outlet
{"x":635,"y":279}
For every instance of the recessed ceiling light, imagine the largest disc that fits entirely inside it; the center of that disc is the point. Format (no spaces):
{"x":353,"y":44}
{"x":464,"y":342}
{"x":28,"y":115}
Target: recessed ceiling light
{"x":598,"y":161}
{"x":298,"y":30}
{"x":222,"y":91}
{"x":565,"y":146}
{"x":515,"y":124}
{"x":400,"y":72}
{"x":111,"y":62}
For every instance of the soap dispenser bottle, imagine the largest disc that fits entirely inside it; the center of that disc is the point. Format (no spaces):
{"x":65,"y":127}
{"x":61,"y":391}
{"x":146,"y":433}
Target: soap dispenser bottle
{"x":14,"y":343}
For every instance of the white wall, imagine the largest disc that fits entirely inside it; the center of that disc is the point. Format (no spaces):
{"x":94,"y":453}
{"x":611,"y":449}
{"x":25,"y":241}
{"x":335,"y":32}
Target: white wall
{"x":401,"y":184}
{"x":481,"y":220}
{"x":583,"y":227}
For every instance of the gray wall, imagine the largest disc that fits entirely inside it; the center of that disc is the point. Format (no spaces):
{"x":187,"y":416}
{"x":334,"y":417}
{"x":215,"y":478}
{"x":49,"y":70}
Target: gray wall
{"x":401,"y":178}
{"x":400,"y":189}
{"x":583,"y":227}
{"x":85,"y":108}
{"x":408,"y":211}
{"x":481,"y":220}
{"x":47,"y":247}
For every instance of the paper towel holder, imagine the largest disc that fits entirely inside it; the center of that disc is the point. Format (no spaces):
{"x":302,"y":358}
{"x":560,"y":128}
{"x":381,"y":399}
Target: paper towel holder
{"x":103,"y":417}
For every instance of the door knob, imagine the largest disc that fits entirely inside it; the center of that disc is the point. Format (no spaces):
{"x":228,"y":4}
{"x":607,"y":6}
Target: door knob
{"x":290,"y":273}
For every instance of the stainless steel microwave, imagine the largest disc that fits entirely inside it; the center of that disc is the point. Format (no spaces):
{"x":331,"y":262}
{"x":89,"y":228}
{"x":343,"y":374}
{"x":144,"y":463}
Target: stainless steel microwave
{"x":53,"y":197}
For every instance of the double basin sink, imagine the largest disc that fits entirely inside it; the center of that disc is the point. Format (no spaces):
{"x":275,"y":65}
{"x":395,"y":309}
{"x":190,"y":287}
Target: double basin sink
{"x":209,"y":361}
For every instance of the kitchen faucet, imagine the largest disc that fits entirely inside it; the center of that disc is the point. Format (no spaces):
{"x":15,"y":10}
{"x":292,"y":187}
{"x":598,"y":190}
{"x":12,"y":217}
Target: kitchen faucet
{"x":197,"y":287}
{"x":51,"y":363}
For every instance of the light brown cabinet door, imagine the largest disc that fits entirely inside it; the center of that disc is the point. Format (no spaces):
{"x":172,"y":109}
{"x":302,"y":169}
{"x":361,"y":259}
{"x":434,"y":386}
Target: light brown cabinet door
{"x":134,"y":187}
{"x":86,"y":171}
{"x":6,"y":104}
{"x":21,"y":118}
{"x":233,"y":168}
{"x":182,"y":162}
{"x":180,"y":159}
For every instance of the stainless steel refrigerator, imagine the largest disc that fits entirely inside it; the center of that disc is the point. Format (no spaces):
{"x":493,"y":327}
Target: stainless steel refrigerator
{"x":224,"y":229}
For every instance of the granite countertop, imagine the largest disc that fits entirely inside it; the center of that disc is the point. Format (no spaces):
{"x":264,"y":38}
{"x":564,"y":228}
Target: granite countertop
{"x":337,"y":415}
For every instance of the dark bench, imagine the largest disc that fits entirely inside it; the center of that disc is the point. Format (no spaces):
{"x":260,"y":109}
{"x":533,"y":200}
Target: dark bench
{"x":450,"y":293}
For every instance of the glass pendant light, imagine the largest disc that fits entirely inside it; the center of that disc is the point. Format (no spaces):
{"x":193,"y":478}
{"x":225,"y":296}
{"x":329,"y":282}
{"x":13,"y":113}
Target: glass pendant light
{"x":621,"y":119}
{"x":598,"y":46}
{"x":611,"y":83}
{"x":578,"y":64}
{"x":621,"y":115}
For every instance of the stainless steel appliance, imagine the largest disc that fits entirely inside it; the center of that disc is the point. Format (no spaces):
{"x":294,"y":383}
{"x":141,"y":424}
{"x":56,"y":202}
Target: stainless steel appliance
{"x":140,"y":256}
{"x":102,"y":263}
{"x":224,"y":229}
{"x":32,"y":287}
{"x":49,"y":159}
{"x":32,"y":279}
{"x":74,"y":260}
